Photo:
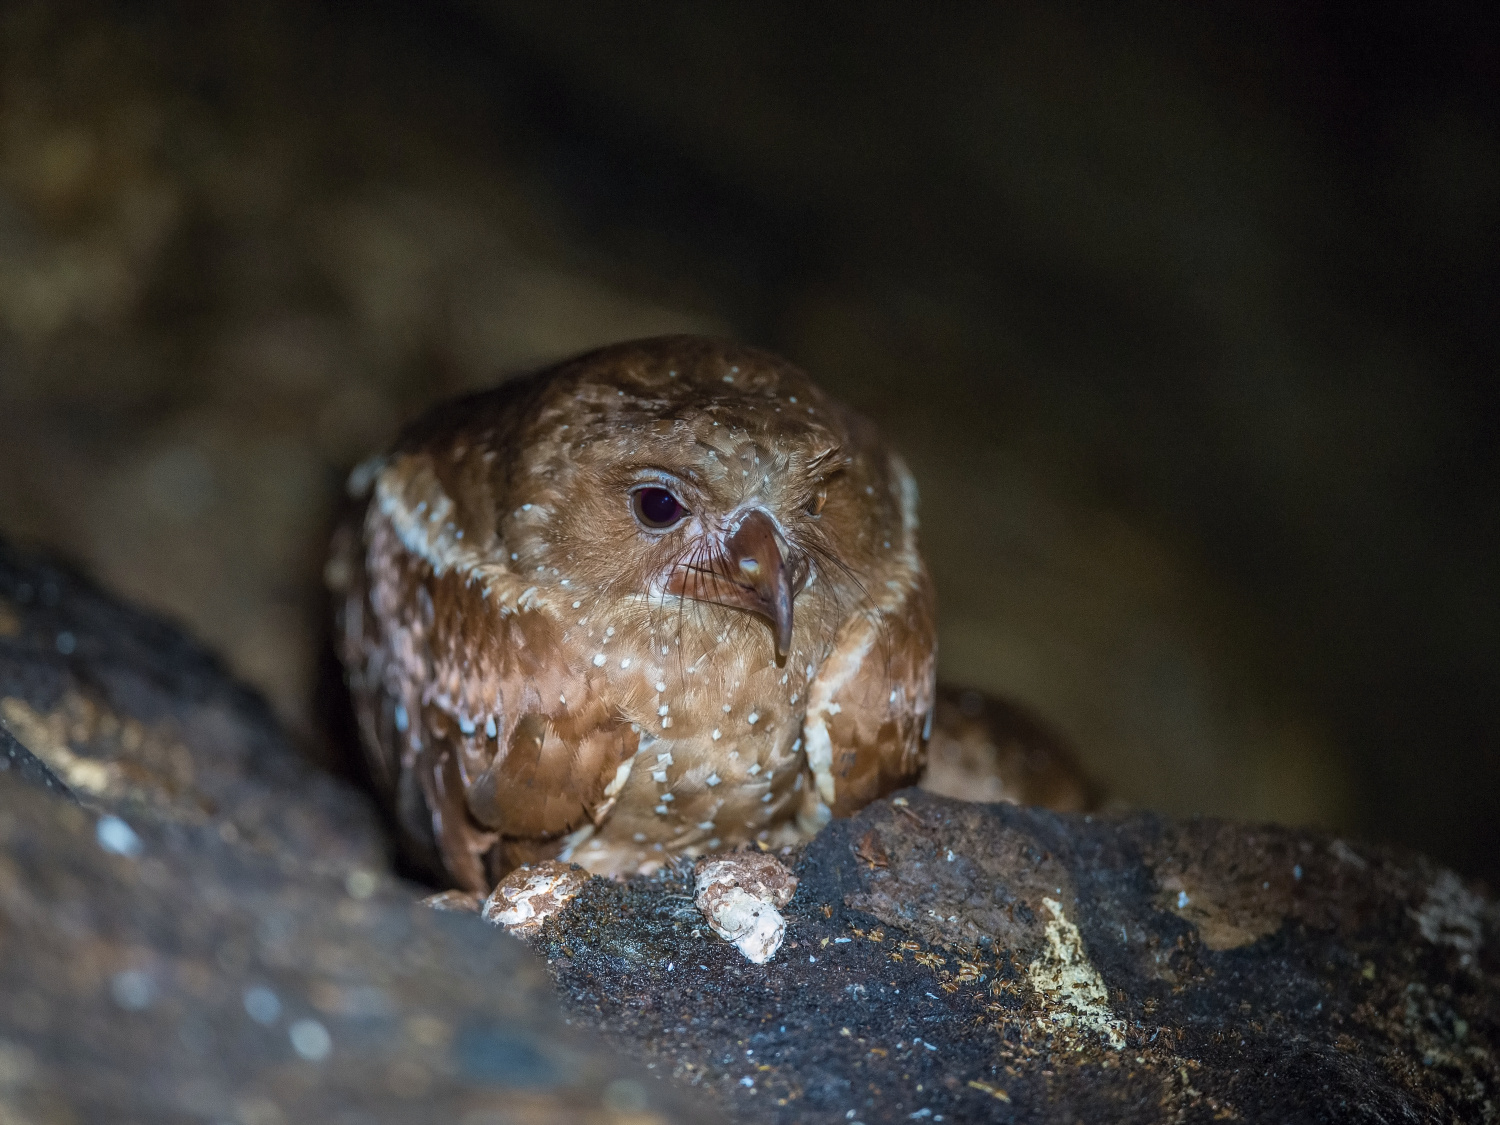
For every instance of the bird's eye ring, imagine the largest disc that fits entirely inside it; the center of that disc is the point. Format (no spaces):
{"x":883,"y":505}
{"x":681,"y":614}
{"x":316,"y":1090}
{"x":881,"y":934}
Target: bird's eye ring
{"x":815,"y":504}
{"x":656,"y":508}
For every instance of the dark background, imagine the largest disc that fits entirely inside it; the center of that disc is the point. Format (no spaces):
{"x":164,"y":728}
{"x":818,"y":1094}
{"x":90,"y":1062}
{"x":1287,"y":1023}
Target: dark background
{"x":1185,"y":317}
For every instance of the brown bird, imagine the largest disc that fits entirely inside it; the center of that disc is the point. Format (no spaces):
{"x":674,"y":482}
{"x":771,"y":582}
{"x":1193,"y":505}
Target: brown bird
{"x":662,"y":599}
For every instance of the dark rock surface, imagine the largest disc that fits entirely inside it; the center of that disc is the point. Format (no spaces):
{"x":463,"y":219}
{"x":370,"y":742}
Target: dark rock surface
{"x":986,"y":962}
{"x":211,"y":931}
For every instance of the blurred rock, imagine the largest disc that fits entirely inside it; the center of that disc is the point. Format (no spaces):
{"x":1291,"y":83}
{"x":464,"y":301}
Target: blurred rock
{"x":137,"y":719}
{"x":215,"y":933}
{"x":988,"y":749}
{"x":189,"y":979}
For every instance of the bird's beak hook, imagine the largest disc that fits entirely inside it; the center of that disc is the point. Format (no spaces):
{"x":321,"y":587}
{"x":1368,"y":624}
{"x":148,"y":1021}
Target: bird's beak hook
{"x":759,"y":574}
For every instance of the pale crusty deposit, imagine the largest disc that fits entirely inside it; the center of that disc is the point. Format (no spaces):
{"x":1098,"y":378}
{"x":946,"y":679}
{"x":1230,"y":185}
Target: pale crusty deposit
{"x":531,"y":894}
{"x":741,"y":895}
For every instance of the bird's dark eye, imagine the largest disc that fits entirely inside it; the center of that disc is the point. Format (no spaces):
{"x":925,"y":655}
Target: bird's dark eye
{"x":656,"y":507}
{"x":815,"y":505}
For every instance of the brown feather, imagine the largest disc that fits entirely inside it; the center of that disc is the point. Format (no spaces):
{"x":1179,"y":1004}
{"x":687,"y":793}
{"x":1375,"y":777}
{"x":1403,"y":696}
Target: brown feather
{"x":550,"y":676}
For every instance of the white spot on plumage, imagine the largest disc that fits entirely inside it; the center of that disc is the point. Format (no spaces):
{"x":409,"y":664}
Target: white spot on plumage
{"x":622,"y":774}
{"x":598,"y":660}
{"x":716,"y":735}
{"x":659,"y":776}
{"x":490,"y":729}
{"x":711,"y":780}
{"x":625,"y":663}
{"x":752,"y":718}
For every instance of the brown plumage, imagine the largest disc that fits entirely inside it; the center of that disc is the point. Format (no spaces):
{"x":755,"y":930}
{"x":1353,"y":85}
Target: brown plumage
{"x":661,"y":599}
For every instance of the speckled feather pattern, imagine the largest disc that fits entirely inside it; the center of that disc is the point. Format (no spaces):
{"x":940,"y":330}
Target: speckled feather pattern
{"x":527,"y":684}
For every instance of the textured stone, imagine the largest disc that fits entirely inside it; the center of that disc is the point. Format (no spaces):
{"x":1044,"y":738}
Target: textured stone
{"x":987,"y":962}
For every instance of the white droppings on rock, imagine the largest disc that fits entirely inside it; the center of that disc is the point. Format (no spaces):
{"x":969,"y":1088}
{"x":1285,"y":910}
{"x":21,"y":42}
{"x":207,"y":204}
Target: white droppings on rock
{"x":741,"y":896}
{"x":531,"y":894}
{"x":1068,"y":979}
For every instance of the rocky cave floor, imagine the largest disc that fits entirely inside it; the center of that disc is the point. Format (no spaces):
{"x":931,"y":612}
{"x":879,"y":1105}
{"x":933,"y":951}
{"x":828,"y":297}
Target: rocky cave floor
{"x":198,"y":925}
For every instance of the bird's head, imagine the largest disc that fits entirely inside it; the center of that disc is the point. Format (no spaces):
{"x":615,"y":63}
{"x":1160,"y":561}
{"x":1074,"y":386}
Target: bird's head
{"x":704,"y":480}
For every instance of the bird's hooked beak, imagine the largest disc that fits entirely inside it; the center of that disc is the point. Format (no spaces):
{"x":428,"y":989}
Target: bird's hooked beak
{"x":759,"y":572}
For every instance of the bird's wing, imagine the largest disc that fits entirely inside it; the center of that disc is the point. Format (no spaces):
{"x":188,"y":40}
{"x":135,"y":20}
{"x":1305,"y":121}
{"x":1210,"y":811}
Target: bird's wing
{"x":870,"y":704}
{"x":485,"y":721}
